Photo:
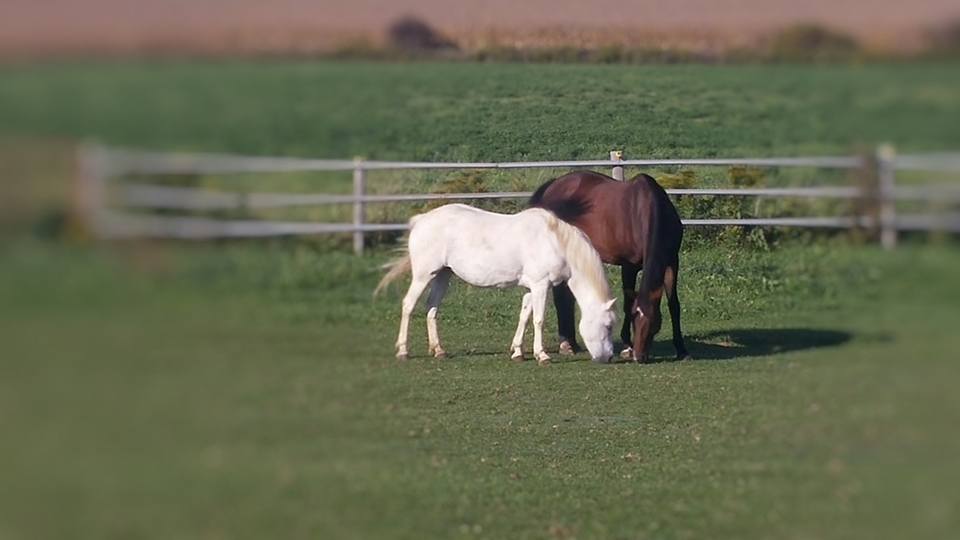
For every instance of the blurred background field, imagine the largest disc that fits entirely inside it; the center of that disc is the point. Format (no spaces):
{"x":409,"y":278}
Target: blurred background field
{"x":246,"y":388}
{"x":443,"y":111}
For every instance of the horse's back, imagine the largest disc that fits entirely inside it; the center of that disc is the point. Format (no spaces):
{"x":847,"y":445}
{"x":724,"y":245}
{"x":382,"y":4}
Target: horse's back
{"x":617,"y":216}
{"x":469,"y":217}
{"x":483,"y":248}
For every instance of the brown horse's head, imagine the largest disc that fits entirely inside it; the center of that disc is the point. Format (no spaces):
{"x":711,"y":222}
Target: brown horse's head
{"x":646,"y":324}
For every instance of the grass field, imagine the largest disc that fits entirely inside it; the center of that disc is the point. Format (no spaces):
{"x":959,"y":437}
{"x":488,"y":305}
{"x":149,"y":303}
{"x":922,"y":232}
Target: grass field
{"x":487,"y":112}
{"x":249,"y":390}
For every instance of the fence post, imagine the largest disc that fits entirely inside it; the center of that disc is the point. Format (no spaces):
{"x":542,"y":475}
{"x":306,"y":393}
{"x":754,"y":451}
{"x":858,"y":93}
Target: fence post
{"x":359,"y":190}
{"x":617,"y":155}
{"x":888,"y":204}
{"x":88,"y":197}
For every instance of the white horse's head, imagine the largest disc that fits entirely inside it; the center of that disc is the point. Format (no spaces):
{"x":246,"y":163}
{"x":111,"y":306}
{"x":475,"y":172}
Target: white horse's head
{"x":596,"y":327}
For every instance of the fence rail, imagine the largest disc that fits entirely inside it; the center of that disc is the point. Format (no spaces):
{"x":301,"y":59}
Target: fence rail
{"x":150,"y":163}
{"x":99,"y":165}
{"x":164,"y":197}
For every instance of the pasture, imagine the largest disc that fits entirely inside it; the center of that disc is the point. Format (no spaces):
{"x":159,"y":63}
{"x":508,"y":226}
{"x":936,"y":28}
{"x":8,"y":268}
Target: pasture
{"x":249,"y":390}
{"x":450,"y":112}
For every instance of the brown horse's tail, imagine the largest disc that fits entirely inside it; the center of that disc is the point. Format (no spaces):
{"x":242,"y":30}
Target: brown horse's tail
{"x":395,"y":269}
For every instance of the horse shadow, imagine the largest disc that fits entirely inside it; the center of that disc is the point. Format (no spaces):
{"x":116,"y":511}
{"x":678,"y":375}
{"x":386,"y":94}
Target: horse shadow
{"x":728,"y":344}
{"x":749,"y":342}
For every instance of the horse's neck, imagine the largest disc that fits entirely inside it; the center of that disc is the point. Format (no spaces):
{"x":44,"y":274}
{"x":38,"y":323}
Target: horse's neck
{"x":584,"y":279}
{"x":586,"y":294}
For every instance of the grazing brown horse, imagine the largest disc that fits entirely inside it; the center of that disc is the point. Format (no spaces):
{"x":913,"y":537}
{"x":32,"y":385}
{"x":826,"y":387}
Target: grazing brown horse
{"x":634,"y":225}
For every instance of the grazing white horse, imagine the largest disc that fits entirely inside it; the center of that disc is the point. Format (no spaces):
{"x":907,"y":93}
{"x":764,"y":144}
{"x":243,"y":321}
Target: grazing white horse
{"x":532,"y":249}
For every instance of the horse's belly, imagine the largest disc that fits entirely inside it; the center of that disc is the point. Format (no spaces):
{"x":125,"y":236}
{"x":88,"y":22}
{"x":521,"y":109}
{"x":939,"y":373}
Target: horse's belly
{"x":484,"y":276}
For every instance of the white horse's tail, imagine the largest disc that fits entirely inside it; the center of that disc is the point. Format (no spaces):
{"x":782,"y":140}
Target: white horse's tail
{"x":395,"y":269}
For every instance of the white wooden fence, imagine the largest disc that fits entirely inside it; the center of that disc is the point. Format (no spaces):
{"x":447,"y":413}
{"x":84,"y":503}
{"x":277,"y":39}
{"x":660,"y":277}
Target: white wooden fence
{"x":99,"y":166}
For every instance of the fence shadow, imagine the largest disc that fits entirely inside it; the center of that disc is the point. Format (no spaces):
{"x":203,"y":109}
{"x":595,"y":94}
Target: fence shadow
{"x":737,"y":343}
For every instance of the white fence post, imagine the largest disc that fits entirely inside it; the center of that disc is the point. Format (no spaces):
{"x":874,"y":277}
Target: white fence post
{"x":89,"y":192}
{"x":888,"y":204}
{"x":617,"y":155}
{"x":359,"y":190}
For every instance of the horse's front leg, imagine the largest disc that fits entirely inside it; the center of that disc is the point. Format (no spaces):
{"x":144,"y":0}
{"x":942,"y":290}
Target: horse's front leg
{"x":538,"y":299}
{"x":516,"y":348}
{"x":564,"y":301}
{"x":628,"y":273}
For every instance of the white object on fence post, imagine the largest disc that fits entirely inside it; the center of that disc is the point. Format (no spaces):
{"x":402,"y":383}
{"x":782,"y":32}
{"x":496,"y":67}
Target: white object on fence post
{"x":89,"y":192}
{"x":617,"y":155}
{"x":359,"y":190}
{"x":888,"y":204}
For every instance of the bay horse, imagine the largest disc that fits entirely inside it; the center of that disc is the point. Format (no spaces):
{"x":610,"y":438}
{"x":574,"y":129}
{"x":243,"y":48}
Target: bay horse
{"x":532,"y":249}
{"x":633,"y":225}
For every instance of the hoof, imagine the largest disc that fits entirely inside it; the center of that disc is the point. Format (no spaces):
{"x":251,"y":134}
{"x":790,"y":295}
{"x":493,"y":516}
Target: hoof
{"x":440,"y":354}
{"x":543,"y":362}
{"x":402,"y":357}
{"x":627,"y":354}
{"x":683,"y":357}
{"x":517,"y":355}
{"x":565,"y":348}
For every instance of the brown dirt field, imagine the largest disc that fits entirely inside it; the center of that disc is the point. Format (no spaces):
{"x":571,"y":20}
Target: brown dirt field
{"x":128,"y":26}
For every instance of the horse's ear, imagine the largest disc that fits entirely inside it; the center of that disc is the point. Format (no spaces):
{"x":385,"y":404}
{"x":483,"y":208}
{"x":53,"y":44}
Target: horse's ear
{"x":609,"y":305}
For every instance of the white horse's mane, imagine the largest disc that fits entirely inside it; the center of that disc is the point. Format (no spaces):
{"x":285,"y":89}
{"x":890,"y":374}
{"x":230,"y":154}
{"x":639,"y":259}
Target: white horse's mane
{"x":581,"y":255}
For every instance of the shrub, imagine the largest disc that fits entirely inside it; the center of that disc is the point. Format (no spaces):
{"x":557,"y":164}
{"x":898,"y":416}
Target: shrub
{"x":683,"y":179}
{"x":469,"y":181}
{"x":808,"y":42}
{"x":945,"y":38}
{"x":414,"y":35}
{"x":745,"y":176}
{"x":359,"y":50}
{"x":610,"y":54}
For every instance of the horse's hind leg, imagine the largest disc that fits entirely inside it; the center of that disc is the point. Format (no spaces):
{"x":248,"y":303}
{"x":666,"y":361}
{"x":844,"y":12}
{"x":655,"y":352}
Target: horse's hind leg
{"x":670,"y":279}
{"x":437,"y":290}
{"x":516,"y":348}
{"x":417,"y":284}
{"x":628,"y":274}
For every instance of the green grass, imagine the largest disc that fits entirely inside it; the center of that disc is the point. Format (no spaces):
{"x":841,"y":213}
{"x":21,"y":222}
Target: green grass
{"x":451,"y":111}
{"x":251,"y":392}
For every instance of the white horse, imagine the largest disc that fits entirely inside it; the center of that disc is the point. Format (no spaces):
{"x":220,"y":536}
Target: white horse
{"x":533,"y":249}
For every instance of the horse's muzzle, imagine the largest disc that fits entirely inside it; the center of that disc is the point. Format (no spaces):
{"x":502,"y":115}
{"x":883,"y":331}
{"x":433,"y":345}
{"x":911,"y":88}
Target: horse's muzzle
{"x":603,"y":359}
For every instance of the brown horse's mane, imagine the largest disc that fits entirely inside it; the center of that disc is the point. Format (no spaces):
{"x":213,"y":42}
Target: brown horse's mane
{"x":568,"y":209}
